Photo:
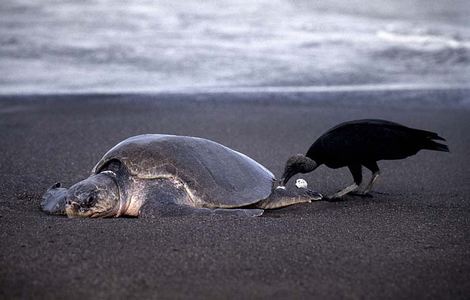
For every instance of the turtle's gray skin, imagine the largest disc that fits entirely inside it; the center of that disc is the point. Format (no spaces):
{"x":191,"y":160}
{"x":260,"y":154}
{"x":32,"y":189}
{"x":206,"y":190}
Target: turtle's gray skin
{"x":156,"y":174}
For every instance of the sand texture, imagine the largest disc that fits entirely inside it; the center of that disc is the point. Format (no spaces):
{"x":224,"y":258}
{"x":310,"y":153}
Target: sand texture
{"x":410,"y":241}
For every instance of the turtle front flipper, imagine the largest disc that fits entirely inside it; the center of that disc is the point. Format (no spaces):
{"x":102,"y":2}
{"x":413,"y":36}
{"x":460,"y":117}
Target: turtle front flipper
{"x":176,"y":210}
{"x":53,"y":200}
{"x":165,"y":199}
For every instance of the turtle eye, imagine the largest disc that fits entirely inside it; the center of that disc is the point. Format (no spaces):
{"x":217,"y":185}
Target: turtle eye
{"x":90,"y":199}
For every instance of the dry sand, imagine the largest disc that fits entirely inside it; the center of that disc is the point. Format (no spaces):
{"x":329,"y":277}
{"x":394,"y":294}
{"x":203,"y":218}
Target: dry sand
{"x":410,"y":241}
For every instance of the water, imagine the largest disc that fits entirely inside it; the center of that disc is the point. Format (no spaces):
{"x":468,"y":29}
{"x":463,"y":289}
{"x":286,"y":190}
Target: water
{"x":52,"y":46}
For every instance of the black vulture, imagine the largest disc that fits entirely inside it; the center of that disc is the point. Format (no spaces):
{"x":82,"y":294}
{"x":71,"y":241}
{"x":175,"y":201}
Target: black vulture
{"x":362,"y":143}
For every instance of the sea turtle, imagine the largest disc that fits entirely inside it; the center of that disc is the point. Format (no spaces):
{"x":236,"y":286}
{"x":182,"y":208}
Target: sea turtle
{"x":156,"y":174}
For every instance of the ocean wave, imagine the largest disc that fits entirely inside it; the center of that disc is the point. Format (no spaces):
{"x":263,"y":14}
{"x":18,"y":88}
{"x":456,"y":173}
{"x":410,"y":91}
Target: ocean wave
{"x":106,"y":44}
{"x":423,"y":39}
{"x":412,"y":59}
{"x":423,"y":51}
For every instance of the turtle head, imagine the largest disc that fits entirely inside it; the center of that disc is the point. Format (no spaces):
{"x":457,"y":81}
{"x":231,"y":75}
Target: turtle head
{"x":96,"y":196}
{"x":297,"y":164}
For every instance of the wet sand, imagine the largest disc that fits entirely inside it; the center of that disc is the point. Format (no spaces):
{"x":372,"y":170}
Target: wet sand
{"x":410,"y":241}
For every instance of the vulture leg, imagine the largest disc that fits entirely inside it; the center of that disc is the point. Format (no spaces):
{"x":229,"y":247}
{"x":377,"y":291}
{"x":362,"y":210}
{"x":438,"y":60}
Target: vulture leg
{"x":368,"y":188}
{"x":356,"y":171}
{"x":372,"y":166}
{"x":375,"y":174}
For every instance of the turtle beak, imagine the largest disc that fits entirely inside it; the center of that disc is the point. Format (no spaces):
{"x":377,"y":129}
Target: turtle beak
{"x":71,"y":208}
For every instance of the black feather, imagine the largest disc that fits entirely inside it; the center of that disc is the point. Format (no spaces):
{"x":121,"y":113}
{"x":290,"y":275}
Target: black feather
{"x":362,"y":142}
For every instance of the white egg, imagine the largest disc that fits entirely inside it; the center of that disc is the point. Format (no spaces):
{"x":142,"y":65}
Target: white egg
{"x":301,"y":183}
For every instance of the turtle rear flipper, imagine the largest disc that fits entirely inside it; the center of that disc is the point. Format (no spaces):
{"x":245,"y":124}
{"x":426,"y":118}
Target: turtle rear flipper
{"x":282,"y":197}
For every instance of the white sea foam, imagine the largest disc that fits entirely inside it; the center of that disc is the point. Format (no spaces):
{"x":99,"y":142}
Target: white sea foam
{"x":423,"y":40}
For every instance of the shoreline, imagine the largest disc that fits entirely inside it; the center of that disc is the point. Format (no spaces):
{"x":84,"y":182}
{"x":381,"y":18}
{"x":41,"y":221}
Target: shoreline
{"x":426,"y":98}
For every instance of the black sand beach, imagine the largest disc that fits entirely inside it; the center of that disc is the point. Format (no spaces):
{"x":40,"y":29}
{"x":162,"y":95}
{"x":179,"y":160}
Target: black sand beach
{"x":410,"y":241}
